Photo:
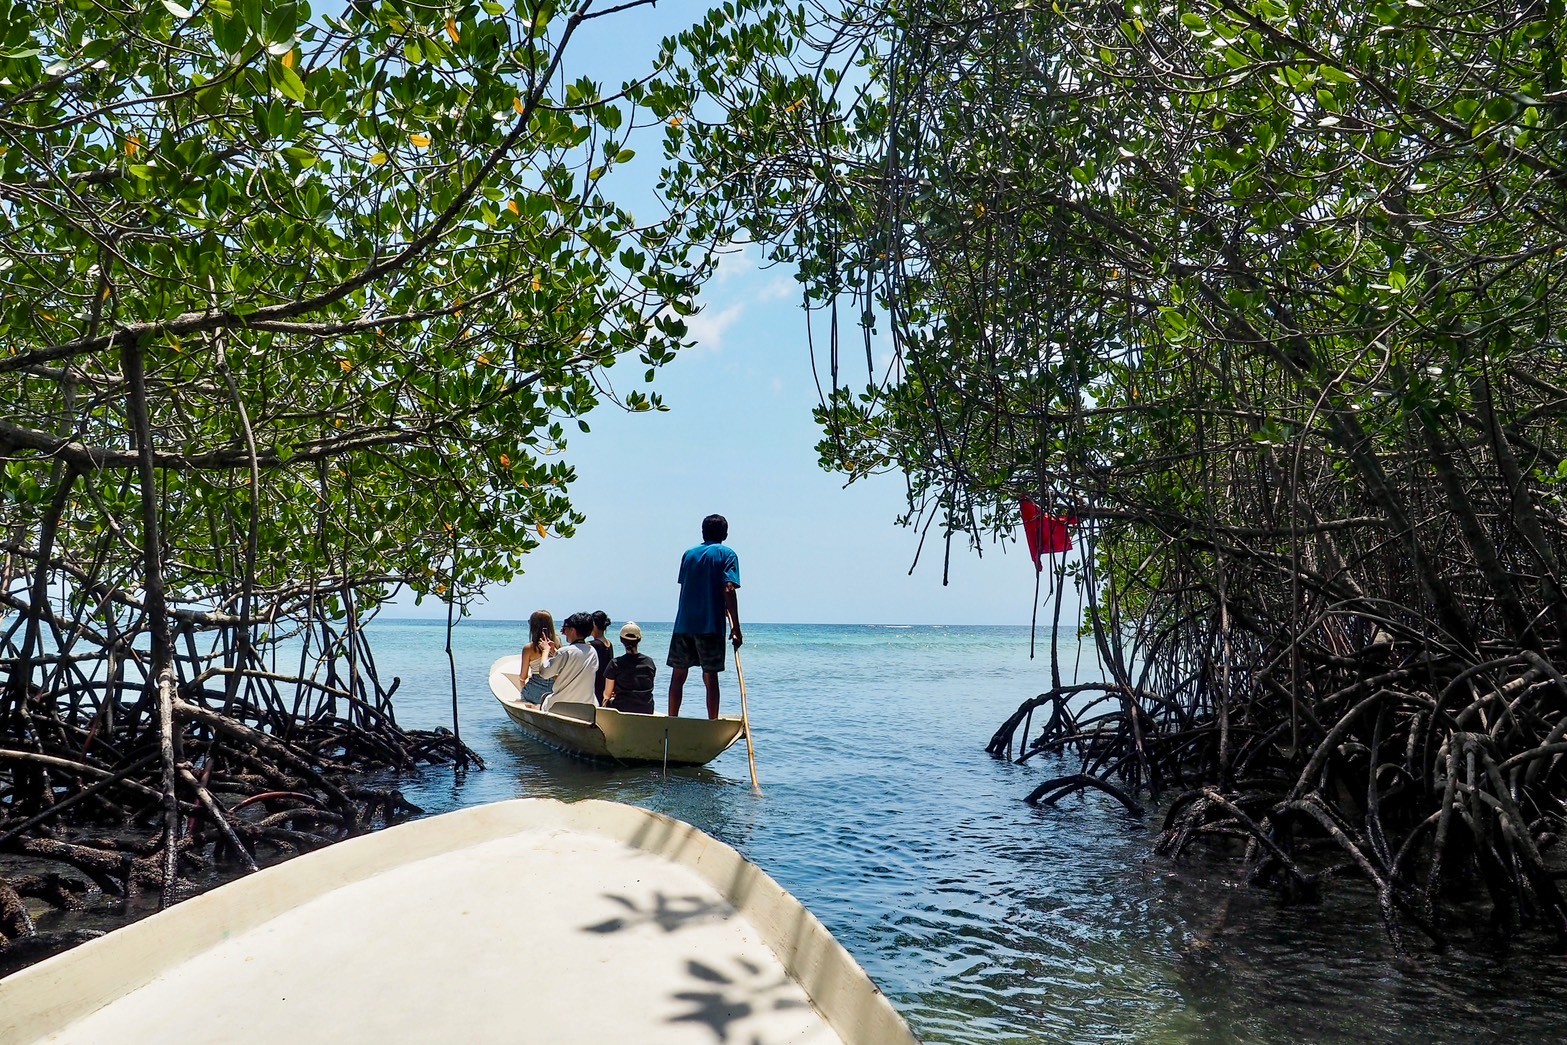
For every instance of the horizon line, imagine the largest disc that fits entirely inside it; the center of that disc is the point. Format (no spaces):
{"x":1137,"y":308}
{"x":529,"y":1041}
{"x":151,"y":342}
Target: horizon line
{"x":440,"y":622}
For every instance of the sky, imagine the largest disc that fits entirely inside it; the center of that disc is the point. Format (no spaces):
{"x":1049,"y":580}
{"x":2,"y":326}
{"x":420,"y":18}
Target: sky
{"x":738,"y":439}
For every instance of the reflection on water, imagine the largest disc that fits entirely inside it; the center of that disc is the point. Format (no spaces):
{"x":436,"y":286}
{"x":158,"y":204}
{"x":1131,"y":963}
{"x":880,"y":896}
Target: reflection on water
{"x":984,"y":920}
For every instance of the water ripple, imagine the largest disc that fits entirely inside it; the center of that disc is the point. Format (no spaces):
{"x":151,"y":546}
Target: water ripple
{"x":985,"y":921}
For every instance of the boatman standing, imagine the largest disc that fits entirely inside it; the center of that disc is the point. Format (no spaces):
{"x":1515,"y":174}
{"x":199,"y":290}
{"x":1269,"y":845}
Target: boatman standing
{"x":709,"y":578}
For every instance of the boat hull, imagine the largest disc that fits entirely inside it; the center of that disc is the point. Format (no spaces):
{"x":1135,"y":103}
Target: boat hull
{"x":527,"y":920}
{"x":607,"y":735}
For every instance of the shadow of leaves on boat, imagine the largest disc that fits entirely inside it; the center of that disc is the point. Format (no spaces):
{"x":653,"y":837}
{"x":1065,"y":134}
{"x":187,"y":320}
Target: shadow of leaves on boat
{"x":735,"y":996}
{"x":668,"y":913}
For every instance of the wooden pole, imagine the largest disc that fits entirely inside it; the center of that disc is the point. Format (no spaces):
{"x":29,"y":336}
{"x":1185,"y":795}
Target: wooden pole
{"x":745,"y":725}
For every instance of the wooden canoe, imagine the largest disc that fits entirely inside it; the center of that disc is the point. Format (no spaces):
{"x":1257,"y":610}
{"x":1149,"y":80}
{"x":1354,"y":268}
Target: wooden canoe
{"x":524,"y":921}
{"x":607,"y":735}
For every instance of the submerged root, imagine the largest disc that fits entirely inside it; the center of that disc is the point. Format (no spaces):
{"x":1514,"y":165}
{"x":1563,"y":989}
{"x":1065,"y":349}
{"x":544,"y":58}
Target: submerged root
{"x":1052,"y":791}
{"x":1435,"y":784}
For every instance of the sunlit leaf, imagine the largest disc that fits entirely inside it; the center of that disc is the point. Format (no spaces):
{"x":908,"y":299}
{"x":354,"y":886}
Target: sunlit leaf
{"x":287,"y":82}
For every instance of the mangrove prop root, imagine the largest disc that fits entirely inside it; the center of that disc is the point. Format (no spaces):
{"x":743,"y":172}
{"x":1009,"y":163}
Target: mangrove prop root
{"x":1437,"y":780}
{"x":1052,"y":791}
{"x":15,"y":921}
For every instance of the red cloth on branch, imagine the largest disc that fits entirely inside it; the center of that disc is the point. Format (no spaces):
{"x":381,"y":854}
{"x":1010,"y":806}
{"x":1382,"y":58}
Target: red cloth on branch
{"x":1045,"y":533}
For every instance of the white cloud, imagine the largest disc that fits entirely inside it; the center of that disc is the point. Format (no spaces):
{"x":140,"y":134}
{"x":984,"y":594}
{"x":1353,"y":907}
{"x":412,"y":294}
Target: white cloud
{"x":779,"y":288}
{"x":739,"y":262}
{"x":707,"y":328}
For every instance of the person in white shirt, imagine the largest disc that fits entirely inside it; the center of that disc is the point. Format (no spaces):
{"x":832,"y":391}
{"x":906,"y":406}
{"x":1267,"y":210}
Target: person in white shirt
{"x":573,"y":666}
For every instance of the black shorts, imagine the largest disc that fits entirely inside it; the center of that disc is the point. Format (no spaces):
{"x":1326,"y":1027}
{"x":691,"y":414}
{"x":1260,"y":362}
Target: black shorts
{"x":687,"y":651}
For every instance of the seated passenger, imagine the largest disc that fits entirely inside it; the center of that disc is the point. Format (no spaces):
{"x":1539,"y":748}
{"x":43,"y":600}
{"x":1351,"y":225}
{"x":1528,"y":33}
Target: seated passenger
{"x":628,"y":681}
{"x":572,"y":666}
{"x":604,"y":648}
{"x":541,"y":633}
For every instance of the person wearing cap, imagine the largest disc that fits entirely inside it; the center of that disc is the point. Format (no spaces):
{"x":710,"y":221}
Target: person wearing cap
{"x":709,"y":577}
{"x":572,"y":666}
{"x":628,"y":681}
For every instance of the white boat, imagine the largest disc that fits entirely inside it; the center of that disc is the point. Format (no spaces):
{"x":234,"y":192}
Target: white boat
{"x":524,"y":921}
{"x":607,"y":735}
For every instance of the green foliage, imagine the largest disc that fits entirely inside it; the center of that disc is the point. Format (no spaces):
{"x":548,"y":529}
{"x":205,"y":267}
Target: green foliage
{"x":380,"y":240}
{"x":1264,"y":292}
{"x":1208,"y":276}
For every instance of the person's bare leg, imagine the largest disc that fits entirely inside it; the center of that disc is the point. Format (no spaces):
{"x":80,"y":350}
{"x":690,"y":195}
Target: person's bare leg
{"x":677,"y":687}
{"x":710,"y":679}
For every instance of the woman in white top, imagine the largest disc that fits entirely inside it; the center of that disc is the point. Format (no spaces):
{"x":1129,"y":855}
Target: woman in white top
{"x":573,"y":666}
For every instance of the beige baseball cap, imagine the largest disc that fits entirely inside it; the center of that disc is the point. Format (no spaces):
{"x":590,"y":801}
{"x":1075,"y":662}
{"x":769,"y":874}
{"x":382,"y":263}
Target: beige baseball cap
{"x":630,"y":632}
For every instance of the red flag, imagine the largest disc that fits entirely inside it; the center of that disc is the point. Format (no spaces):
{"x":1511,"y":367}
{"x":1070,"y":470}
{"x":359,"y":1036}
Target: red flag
{"x":1045,"y":533}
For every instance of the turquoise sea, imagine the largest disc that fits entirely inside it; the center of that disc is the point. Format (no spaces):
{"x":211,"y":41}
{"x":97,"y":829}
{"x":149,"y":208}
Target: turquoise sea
{"x":985,"y":921}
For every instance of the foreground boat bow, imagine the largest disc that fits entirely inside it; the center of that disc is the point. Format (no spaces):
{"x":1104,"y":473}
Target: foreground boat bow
{"x":528,"y":920}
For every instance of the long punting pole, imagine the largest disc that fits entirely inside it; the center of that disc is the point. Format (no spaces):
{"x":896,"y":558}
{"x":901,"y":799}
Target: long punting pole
{"x":745,"y":725}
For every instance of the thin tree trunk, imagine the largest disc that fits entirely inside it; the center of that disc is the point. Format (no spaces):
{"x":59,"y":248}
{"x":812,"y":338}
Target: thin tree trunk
{"x":162,"y":667}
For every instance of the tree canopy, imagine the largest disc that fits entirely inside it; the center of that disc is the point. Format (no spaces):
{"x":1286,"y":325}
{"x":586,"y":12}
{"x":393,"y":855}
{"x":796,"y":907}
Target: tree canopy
{"x":367,"y":267}
{"x":1264,"y":294}
{"x":295,"y":310}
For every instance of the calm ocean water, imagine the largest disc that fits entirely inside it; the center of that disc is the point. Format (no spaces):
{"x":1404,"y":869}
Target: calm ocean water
{"x":985,"y":921}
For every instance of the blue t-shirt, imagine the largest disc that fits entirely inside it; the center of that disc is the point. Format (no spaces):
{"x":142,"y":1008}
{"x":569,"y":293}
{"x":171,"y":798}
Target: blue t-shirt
{"x":704,"y":570}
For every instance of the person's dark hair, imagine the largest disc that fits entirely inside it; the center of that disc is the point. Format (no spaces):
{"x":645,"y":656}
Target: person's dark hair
{"x":601,"y":620}
{"x":581,"y":623}
{"x":715,"y":528}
